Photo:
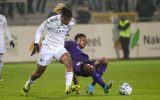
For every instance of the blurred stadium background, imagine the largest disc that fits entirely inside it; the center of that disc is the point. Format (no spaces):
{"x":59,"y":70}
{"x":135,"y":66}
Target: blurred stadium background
{"x":33,"y":12}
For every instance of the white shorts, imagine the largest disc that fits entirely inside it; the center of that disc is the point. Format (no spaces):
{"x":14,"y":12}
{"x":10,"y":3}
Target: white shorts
{"x":2,"y":48}
{"x":47,"y":54}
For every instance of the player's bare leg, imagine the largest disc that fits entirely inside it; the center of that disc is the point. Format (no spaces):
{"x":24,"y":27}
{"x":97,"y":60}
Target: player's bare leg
{"x":66,"y":60}
{"x":39,"y":71}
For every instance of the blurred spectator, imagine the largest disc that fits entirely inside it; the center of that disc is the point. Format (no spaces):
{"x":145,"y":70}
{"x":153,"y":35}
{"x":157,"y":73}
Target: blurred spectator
{"x":145,"y":9}
{"x":108,"y":5}
{"x":20,"y":8}
{"x":30,"y":6}
{"x":157,"y":4}
{"x":11,"y":10}
{"x":122,"y":5}
{"x":132,"y":5}
{"x":2,"y":7}
{"x":77,"y":2}
{"x":8,"y":8}
{"x":83,"y":15}
{"x":124,"y":33}
{"x":41,"y":5}
{"x":95,"y":5}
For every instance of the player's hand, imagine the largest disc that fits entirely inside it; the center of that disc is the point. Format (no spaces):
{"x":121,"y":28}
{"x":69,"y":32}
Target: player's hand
{"x":35,"y":49}
{"x":12,"y":44}
{"x":102,"y":60}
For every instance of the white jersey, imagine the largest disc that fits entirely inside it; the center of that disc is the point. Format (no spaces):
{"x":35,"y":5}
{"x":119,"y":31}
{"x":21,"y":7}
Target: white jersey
{"x":56,"y":32}
{"x":3,"y":29}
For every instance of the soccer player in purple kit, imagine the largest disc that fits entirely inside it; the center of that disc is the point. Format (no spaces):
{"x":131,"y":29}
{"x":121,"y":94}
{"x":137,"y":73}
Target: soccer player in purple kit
{"x":84,"y":67}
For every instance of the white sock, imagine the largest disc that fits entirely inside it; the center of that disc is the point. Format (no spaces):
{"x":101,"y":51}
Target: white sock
{"x":29,"y":82}
{"x":69,"y":78}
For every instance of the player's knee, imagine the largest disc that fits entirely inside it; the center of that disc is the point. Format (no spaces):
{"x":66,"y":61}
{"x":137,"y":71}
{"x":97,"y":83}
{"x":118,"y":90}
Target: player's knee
{"x":66,"y":60}
{"x":88,"y":69}
{"x":68,"y":63}
{"x":91,"y":69}
{"x":105,"y":61}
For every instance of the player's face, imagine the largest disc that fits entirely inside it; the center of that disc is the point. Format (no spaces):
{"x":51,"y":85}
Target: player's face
{"x":65,"y":20}
{"x":83,"y":42}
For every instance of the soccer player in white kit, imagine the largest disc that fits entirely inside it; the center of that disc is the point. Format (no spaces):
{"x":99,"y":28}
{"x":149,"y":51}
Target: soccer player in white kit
{"x":57,"y":28}
{"x":4,"y":29}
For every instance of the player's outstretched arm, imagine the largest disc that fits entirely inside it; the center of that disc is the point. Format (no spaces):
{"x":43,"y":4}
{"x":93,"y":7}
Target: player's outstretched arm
{"x":39,"y":31}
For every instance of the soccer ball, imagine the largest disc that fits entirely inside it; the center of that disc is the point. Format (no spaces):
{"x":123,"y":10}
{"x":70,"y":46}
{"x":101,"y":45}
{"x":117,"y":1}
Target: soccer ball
{"x":125,"y":89}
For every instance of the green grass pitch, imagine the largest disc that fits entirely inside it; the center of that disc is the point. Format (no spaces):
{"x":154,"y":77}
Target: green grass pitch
{"x":142,"y":75}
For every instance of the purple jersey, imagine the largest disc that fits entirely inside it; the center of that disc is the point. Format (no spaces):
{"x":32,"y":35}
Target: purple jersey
{"x":77,"y":55}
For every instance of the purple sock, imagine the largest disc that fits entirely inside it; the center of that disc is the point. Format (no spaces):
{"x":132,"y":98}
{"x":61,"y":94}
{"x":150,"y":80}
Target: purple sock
{"x":101,"y":69}
{"x":97,"y":78}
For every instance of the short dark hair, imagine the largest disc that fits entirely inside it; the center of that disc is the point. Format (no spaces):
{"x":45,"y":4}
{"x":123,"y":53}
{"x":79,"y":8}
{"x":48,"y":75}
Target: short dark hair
{"x":78,"y":36}
{"x":66,"y":12}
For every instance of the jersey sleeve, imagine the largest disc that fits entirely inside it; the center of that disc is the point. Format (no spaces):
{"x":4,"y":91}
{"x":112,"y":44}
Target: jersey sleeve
{"x":68,"y":44}
{"x":6,"y":30}
{"x":46,"y":25}
{"x":73,"y":22}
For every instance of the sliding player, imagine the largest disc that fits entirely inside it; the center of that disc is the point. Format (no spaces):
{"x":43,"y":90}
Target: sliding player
{"x":85,"y":67}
